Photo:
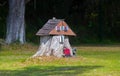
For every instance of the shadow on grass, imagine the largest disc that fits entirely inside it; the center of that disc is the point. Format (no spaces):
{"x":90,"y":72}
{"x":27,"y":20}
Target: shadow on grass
{"x":49,"y":71}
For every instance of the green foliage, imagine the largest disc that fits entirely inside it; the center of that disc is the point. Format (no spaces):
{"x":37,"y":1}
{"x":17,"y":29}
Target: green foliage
{"x":90,"y":60}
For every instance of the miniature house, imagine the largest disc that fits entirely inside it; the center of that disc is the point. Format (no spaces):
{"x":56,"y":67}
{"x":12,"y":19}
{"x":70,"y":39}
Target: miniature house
{"x":53,"y":37}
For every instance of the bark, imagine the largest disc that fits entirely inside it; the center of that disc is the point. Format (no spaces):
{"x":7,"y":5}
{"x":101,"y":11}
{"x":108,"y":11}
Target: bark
{"x":15,"y":22}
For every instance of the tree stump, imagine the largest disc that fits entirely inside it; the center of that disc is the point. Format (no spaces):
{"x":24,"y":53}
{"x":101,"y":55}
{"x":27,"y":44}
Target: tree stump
{"x":53,"y":45}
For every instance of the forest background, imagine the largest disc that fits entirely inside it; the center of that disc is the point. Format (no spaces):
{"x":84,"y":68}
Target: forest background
{"x":94,"y":21}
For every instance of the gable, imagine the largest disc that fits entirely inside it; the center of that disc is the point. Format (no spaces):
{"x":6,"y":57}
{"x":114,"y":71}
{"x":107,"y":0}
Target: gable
{"x":62,"y":29}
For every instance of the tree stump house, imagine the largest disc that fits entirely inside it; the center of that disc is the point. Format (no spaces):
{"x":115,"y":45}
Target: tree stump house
{"x":53,"y":38}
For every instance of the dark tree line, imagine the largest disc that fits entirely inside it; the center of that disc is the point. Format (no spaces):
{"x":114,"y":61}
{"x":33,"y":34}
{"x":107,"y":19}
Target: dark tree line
{"x":92,"y":20}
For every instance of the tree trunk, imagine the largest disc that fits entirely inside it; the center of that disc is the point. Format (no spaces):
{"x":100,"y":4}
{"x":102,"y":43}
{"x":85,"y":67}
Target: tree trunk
{"x":15,"y":22}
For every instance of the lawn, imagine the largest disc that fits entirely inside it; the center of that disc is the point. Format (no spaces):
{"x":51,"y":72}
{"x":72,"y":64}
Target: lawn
{"x":90,"y":61}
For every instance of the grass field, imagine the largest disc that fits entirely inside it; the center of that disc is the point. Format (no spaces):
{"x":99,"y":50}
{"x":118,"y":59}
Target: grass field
{"x":90,"y":61}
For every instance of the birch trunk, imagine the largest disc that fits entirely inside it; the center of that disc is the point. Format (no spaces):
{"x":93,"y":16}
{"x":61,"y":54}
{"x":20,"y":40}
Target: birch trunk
{"x":15,"y":22}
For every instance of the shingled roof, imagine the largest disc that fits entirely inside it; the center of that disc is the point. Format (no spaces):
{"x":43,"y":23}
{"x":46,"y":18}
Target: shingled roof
{"x":49,"y":28}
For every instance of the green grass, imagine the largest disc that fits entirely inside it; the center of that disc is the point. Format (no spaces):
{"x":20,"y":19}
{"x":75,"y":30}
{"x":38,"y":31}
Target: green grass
{"x":90,"y":61}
